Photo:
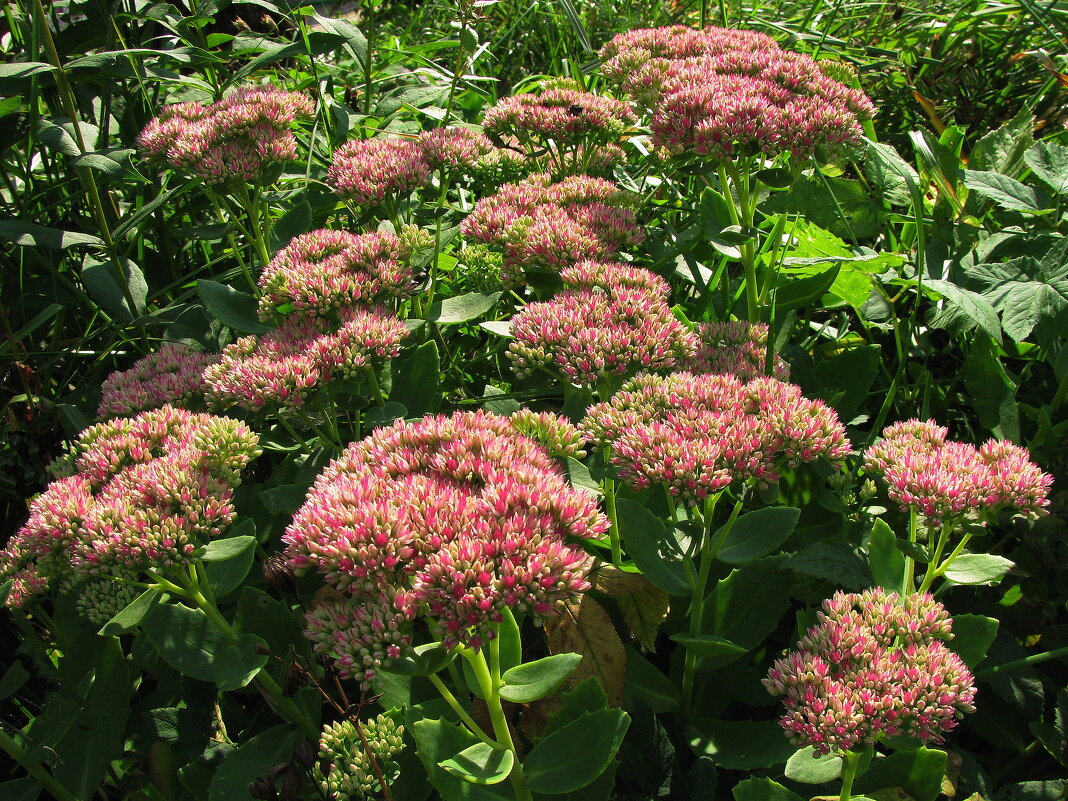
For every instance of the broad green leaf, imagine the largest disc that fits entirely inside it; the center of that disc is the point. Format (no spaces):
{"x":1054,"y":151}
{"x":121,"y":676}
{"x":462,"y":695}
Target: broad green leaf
{"x":1003,"y":150}
{"x":1005,"y":191}
{"x":1025,"y":291}
{"x":978,"y":568}
{"x":990,"y":389}
{"x":416,"y":375}
{"x":462,"y":308}
{"x":709,"y":646}
{"x":355,"y":41}
{"x":746,"y":606}
{"x":318,"y":42}
{"x":574,"y":755}
{"x":643,"y":613}
{"x":295,"y":221}
{"x":501,"y":328}
{"x":1049,"y":161}
{"x":230,"y":306}
{"x":427,"y":659}
{"x":896,"y":178}
{"x":14,"y":677}
{"x":534,"y":680}
{"x":645,"y":540}
{"x":887,"y":563}
{"x":283,"y":498}
{"x":96,"y":739}
{"x":972,"y":637}
{"x":480,"y":764}
{"x":1038,"y":790}
{"x":17,"y":70}
{"x":918,"y":772}
{"x":5,"y":590}
{"x":837,"y":562}
{"x":103,"y":285}
{"x":237,"y":663}
{"x":843,"y":207}
{"x":757,"y":534}
{"x":798,"y":292}
{"x":740,"y":745}
{"x":581,"y":477}
{"x":758,"y":788}
{"x":809,"y":766}
{"x":248,"y":762}
{"x":185,"y":639}
{"x":964,"y":310}
{"x":438,"y":740}
{"x":228,"y":548}
{"x":226,"y":574}
{"x":132,"y":614}
{"x":646,"y":682}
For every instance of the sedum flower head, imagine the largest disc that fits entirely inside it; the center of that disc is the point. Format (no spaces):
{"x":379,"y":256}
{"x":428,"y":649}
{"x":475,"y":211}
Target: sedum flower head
{"x":874,"y":665}
{"x":455,"y":149}
{"x":323,"y":271}
{"x":541,"y":225}
{"x":452,"y":519}
{"x":695,"y":434}
{"x":370,"y":171}
{"x":171,"y":375}
{"x":944,"y":480}
{"x":588,"y":335}
{"x":608,"y":276}
{"x":144,"y":492}
{"x":233,"y":138}
{"x":344,"y":770}
{"x":720,"y":93}
{"x":736,"y":347}
{"x":565,"y":116}
{"x":556,"y":433}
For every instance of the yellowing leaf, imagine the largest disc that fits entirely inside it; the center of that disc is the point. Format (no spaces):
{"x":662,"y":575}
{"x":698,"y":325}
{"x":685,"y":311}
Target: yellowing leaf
{"x":585,"y":628}
{"x":643,"y":612}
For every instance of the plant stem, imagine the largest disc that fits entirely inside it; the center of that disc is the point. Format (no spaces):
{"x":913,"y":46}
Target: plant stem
{"x":468,"y":721}
{"x":910,"y":563}
{"x":39,"y":774}
{"x":1034,"y":659}
{"x":489,"y":682}
{"x":852,"y":760}
{"x":267,"y":685}
{"x":251,"y":204}
{"x":709,"y":549}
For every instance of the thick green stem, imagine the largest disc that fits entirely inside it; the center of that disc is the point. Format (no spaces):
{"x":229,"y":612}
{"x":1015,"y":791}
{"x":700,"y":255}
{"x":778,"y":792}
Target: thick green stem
{"x":609,"y":487}
{"x":852,"y":760}
{"x":251,"y":204}
{"x":39,"y":774}
{"x":263,"y":681}
{"x":910,"y":563}
{"x":461,"y":713}
{"x":489,"y":682}
{"x":936,"y":572}
{"x":1027,"y":661}
{"x":709,"y":549}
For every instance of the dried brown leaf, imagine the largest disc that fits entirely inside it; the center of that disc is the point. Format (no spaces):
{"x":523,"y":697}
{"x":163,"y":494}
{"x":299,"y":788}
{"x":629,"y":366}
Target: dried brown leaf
{"x":585,"y":628}
{"x":643,"y":612}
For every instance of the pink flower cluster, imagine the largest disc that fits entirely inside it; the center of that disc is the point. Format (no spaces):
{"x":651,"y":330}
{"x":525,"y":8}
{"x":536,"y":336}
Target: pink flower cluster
{"x":719,"y":93}
{"x":173,"y":374}
{"x":873,"y":666}
{"x":452,"y":519}
{"x":235,"y":137}
{"x":541,"y":225}
{"x":737,"y":347}
{"x":320,"y":272}
{"x":142,"y":492}
{"x":609,"y":329}
{"x":563,"y":116}
{"x":695,"y":434}
{"x":945,"y":480}
{"x":281,"y":367}
{"x":369,"y":172}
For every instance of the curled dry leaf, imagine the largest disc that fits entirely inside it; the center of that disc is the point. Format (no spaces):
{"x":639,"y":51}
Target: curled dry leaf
{"x":585,"y":628}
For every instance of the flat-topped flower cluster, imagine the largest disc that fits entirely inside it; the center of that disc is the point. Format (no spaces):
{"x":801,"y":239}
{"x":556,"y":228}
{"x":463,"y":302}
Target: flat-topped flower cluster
{"x":694,"y":435}
{"x":233,"y":138}
{"x":875,"y":665}
{"x":140,"y":492}
{"x":543,"y":225}
{"x":720,"y":93}
{"x":947,"y":481}
{"x":448,"y":519}
{"x":611,"y":320}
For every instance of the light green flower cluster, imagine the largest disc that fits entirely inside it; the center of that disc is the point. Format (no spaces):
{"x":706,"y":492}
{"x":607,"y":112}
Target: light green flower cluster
{"x":344,"y":771}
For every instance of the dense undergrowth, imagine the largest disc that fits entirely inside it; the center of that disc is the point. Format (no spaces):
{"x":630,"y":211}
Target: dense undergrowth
{"x":508,"y":400}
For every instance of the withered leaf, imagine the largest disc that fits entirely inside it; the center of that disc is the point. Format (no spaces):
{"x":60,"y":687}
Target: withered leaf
{"x":643,"y":612}
{"x":585,"y":628}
